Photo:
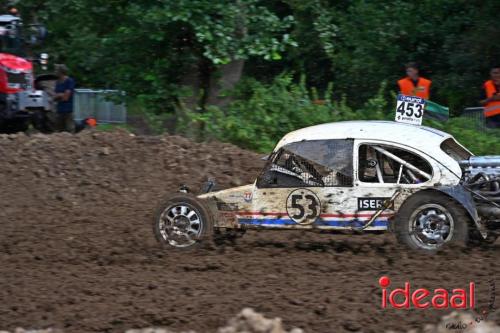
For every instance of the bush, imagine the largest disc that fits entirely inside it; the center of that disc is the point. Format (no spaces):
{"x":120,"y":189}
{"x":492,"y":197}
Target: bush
{"x":468,"y":134}
{"x":262,"y":113}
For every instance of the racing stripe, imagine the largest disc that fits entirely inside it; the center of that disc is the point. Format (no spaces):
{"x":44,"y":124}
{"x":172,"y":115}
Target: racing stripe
{"x":364,"y":215}
{"x":326,"y":223}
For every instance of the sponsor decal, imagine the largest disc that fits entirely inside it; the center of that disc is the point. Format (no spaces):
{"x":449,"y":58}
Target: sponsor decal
{"x":410,"y":109}
{"x":247,"y":196}
{"x":371,"y":203}
{"x":228,"y":207}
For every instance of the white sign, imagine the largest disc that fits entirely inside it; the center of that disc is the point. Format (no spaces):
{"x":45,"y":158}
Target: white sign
{"x":410,"y":109}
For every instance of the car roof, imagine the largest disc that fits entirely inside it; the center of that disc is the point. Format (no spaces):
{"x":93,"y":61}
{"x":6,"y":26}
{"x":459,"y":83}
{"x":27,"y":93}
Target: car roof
{"x":421,"y":137}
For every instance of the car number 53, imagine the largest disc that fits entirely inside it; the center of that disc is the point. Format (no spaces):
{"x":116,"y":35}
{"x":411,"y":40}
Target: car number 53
{"x":303,"y":206}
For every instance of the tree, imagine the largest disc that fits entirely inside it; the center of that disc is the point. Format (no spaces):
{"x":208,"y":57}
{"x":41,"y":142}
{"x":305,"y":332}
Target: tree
{"x":152,"y":49}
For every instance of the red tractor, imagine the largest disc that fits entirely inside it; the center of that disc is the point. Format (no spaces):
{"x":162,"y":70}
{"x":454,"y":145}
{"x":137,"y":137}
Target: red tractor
{"x":21,"y":104}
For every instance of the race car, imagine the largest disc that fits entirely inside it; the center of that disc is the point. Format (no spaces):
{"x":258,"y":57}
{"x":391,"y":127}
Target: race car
{"x":415,"y":181}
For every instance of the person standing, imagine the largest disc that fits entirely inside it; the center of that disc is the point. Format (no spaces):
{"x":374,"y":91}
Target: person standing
{"x":64,"y":91}
{"x":413,"y":84}
{"x":491,"y":99}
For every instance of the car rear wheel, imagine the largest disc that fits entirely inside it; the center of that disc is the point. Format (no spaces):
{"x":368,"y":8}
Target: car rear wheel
{"x":428,"y":221}
{"x":182,"y":222}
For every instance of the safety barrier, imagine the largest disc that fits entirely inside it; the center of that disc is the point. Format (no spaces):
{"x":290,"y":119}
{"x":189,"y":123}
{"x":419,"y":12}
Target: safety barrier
{"x":107,"y":106}
{"x":475,"y":115}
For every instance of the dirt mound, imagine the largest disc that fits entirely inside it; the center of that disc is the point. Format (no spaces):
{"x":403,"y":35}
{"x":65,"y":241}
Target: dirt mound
{"x":77,"y":251}
{"x":247,"y":321}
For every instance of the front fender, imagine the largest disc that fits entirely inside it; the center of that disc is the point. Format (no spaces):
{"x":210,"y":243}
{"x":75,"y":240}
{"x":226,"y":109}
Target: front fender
{"x":464,"y":197}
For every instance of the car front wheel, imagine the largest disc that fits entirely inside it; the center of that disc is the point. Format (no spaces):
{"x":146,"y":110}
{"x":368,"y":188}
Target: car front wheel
{"x":428,"y":221}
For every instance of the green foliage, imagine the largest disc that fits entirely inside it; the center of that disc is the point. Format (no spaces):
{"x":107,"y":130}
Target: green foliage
{"x":362,"y":42}
{"x":147,"y":47}
{"x":152,"y":48}
{"x":468,"y":134}
{"x":263,"y":113}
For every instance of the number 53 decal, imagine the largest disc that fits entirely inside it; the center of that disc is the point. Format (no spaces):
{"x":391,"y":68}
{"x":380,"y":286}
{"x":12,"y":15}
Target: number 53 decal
{"x":303,"y":206}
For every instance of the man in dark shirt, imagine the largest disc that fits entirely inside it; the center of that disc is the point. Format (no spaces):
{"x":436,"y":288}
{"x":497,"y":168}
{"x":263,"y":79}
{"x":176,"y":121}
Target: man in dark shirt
{"x":64,"y":92}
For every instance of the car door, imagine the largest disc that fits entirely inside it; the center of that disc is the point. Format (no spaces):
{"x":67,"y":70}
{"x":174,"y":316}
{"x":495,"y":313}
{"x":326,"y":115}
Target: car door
{"x":383,"y":170}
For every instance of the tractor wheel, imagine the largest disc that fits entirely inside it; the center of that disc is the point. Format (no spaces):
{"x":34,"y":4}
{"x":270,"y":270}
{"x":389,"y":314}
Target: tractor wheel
{"x":43,"y":122}
{"x":15,"y":126}
{"x":429,"y":220}
{"x":183,"y":221}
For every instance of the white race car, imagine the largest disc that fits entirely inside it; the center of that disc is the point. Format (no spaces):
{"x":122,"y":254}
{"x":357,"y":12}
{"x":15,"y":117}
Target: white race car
{"x":416,"y":181}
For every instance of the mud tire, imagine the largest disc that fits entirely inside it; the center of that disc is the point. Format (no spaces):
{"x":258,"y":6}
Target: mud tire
{"x":410,"y":209}
{"x":205,"y":235}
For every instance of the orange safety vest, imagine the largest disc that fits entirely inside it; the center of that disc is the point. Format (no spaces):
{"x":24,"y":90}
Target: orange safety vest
{"x":423,"y":88}
{"x":492,"y":108}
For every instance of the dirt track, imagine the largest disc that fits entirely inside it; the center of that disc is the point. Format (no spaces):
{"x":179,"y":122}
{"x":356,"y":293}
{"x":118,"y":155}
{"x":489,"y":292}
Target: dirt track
{"x":77,"y":250}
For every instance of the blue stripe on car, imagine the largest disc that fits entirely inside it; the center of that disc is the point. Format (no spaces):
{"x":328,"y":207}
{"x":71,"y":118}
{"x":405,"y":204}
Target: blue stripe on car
{"x":326,"y":223}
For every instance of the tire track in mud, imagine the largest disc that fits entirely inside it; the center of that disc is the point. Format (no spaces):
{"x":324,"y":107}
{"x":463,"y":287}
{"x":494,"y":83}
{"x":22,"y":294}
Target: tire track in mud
{"x":77,"y":251}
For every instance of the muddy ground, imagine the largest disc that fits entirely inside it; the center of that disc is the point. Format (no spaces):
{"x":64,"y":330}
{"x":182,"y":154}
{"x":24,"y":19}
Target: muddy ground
{"x":77,"y":250}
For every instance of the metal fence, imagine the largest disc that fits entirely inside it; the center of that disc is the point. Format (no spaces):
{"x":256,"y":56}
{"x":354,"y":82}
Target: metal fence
{"x":107,"y":106}
{"x":476,"y":116}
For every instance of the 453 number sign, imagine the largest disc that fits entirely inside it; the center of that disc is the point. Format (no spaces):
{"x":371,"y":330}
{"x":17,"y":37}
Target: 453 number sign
{"x":303,"y":206}
{"x":410,"y":109}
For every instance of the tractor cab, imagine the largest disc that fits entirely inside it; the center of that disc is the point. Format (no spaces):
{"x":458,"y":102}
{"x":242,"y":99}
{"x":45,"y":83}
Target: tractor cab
{"x":20,"y":103}
{"x":11,"y":39}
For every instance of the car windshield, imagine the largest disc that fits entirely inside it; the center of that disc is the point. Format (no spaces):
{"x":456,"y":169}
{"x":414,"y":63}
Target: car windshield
{"x":310,"y":163}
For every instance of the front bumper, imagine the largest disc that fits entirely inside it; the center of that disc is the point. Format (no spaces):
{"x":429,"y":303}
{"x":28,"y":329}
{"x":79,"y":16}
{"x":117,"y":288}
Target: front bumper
{"x":23,"y":104}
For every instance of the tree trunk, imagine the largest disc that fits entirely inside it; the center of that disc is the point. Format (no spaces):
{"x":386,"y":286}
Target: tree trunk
{"x":224,"y":78}
{"x":194,"y":83}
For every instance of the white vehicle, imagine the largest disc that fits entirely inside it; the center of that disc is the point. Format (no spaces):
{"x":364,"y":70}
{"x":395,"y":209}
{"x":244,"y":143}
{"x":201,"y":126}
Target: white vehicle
{"x":359,"y":175}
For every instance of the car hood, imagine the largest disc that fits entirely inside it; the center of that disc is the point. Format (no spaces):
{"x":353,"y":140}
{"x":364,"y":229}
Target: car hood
{"x":234,"y":192}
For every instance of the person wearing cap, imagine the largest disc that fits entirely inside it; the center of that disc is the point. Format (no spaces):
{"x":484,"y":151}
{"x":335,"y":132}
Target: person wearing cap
{"x":64,"y":91}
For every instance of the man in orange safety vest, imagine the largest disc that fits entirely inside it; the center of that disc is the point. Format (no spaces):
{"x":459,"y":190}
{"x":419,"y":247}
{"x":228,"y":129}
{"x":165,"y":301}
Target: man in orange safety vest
{"x":413,"y":84}
{"x":491,"y":98}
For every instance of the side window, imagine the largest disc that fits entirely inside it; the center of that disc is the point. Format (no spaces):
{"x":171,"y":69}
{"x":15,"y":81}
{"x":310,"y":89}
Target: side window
{"x":384,"y":164}
{"x":315,"y":163}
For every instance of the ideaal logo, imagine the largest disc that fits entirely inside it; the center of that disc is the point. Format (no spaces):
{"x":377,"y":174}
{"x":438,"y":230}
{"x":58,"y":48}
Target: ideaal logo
{"x":440,"y":298}
{"x":422,"y":298}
